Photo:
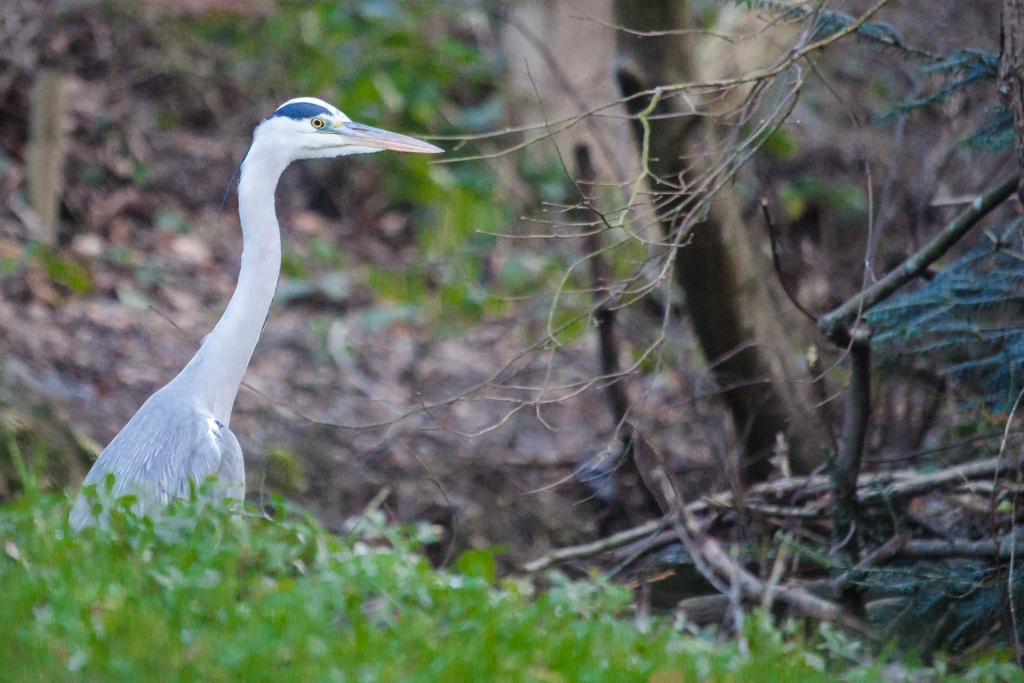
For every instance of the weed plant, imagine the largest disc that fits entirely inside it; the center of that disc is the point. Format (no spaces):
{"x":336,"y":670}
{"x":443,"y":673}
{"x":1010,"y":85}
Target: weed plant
{"x":206,"y":594}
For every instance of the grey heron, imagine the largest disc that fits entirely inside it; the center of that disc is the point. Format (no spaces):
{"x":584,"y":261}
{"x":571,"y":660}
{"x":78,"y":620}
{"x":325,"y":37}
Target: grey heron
{"x":181,"y":432}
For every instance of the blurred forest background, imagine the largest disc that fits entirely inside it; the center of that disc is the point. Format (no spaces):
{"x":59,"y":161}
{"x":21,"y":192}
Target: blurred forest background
{"x":599,"y":285}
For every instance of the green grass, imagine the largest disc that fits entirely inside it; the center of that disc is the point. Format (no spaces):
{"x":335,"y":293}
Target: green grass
{"x":206,"y":595}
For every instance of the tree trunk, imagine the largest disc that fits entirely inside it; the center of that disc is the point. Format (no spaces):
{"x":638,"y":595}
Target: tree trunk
{"x":1011,"y":74}
{"x":1011,"y":90}
{"x":46,"y":152}
{"x":731,"y":292}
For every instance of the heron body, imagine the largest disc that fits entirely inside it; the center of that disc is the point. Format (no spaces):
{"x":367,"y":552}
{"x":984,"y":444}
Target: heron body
{"x":181,"y":432}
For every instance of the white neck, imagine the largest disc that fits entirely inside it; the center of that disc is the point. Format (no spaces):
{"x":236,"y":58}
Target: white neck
{"x":211,"y":379}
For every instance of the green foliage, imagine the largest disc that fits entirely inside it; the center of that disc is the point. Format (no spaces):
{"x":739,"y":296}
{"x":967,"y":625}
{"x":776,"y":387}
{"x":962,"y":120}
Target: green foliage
{"x":847,"y":202}
{"x":568,"y":324}
{"x":70,"y":276}
{"x":547,"y":176}
{"x":8,"y":265}
{"x":397,"y":285}
{"x":950,"y":604}
{"x":829,"y":22}
{"x":780,"y":144}
{"x":29,"y":480}
{"x":370,"y":58}
{"x":60,"y":270}
{"x":292,"y":265}
{"x":965,"y":320}
{"x":479,"y":564}
{"x":961,"y":70}
{"x":284,"y":471}
{"x":398,"y":65}
{"x":204,"y":594}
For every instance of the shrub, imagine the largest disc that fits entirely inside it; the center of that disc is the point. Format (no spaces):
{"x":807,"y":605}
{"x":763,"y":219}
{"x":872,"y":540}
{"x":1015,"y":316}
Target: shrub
{"x":207,"y":595}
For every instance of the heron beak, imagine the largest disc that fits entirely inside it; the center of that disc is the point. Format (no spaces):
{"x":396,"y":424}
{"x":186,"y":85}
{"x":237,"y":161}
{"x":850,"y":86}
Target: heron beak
{"x":366,"y":136}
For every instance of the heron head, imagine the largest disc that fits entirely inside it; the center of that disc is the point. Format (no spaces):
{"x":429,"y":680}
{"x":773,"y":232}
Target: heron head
{"x":309,"y":128}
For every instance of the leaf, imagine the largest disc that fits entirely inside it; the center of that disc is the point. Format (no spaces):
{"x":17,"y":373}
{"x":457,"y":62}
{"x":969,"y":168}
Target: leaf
{"x":479,"y":564}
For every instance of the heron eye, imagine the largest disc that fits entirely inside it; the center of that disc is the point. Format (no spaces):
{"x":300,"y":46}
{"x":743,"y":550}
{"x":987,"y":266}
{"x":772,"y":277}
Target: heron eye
{"x":317,"y":123}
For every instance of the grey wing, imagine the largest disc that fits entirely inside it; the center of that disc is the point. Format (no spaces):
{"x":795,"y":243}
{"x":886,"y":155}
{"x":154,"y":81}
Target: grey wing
{"x":218,"y":453}
{"x":161,"y":448}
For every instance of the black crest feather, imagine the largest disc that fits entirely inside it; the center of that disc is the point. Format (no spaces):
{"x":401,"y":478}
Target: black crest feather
{"x":301,"y":110}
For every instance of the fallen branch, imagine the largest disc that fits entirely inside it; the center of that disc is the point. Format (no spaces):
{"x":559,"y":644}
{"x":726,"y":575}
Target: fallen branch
{"x":718,"y":568}
{"x":924,"y":483}
{"x":594,"y":548}
{"x":1003,"y":548}
{"x":638,"y":548}
{"x":872,"y":488}
{"x":809,"y":512}
{"x":703,"y":546}
{"x":880,"y":555}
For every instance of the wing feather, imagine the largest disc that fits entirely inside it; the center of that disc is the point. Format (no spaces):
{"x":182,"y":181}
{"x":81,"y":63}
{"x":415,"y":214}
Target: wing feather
{"x":161,"y":448}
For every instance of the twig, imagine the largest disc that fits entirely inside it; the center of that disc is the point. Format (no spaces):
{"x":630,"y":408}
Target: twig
{"x":634,"y":550}
{"x":1003,"y":548}
{"x":710,"y":269}
{"x":371,"y":507}
{"x":871,"y":489}
{"x":781,"y":557}
{"x":713,"y":562}
{"x":773,"y":239}
{"x":833,"y":325}
{"x":881,"y":555}
{"x":708,"y":548}
{"x":1011,"y":91}
{"x":782,"y":65}
{"x":921,"y":484}
{"x":566,"y":122}
{"x":604,"y":313}
{"x":780,"y":511}
{"x":600,"y":276}
{"x":1009,"y":584}
{"x":992,"y":517}
{"x":450,"y":550}
{"x":847,"y":465}
{"x":630,"y":553}
{"x":590,"y":549}
{"x":868,"y":31}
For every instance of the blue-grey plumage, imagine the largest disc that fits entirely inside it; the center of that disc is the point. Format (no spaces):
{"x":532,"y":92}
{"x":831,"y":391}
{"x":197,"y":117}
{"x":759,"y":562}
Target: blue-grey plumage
{"x":166,"y":444}
{"x":180,"y":434}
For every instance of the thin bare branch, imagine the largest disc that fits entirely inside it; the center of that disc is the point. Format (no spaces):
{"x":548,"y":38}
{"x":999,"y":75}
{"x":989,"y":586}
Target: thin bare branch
{"x":834,"y":325}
